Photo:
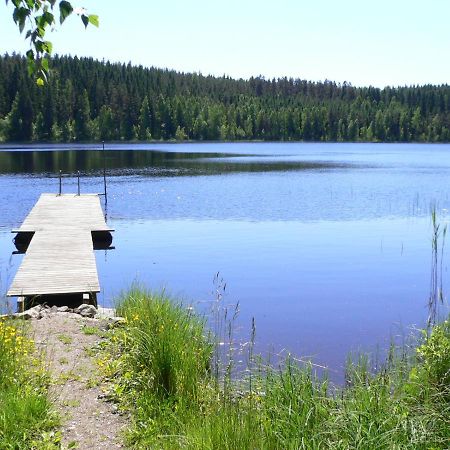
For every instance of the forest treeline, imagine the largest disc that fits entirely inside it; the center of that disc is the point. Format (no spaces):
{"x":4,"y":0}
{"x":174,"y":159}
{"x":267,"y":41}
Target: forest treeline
{"x":89,"y":100}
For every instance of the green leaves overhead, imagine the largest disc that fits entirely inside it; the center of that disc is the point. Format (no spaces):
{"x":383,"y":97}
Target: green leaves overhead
{"x":65,"y":9}
{"x":85,"y":20}
{"x":20,"y":14}
{"x":93,"y":20}
{"x":39,"y":15}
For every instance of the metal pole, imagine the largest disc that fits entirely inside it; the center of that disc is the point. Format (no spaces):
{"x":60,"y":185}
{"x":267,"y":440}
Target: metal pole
{"x":104,"y":172}
{"x":60,"y":183}
{"x":78,"y":182}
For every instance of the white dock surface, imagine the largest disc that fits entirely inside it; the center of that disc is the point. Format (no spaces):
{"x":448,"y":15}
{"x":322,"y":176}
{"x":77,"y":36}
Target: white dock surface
{"x":60,"y":258}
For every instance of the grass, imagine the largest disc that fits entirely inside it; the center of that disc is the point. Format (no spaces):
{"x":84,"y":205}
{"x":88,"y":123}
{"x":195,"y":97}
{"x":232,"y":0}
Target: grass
{"x":64,"y":377}
{"x":65,"y":339}
{"x":26,"y":419}
{"x":161,"y":363}
{"x":170,"y":364}
{"x":71,"y":403}
{"x":92,"y":330}
{"x":436,"y":297}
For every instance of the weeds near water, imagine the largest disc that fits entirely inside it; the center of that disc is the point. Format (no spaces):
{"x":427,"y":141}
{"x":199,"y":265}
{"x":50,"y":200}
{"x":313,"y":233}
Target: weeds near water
{"x":226,"y":349}
{"x":161,"y":364}
{"x":219,"y":314}
{"x":437,"y":256}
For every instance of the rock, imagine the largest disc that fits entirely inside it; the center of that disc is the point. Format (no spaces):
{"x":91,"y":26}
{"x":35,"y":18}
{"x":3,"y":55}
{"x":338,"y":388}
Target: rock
{"x":32,"y":313}
{"x":115,"y":322}
{"x":63,"y":309}
{"x":105,"y":313}
{"x":54,"y":309}
{"x":86,"y":310}
{"x":23,"y":315}
{"x":106,"y":397}
{"x":45,"y":312}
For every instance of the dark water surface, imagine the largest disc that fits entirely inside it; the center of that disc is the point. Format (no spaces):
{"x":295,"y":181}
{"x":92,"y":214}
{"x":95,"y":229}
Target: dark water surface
{"x":328,"y":246}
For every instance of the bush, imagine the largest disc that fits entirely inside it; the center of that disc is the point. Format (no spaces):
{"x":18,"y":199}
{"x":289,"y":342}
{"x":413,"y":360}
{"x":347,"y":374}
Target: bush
{"x":434,"y":355}
{"x":25,"y":411}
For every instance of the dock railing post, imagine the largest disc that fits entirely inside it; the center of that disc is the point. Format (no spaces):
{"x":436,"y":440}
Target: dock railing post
{"x":78,"y":175}
{"x":60,"y":182}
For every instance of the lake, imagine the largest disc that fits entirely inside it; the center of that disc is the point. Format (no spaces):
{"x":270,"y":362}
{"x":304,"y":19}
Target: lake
{"x":326,"y":246}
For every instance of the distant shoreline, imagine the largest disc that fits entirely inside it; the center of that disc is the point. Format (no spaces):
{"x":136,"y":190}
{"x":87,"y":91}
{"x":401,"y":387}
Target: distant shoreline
{"x":15,"y":145}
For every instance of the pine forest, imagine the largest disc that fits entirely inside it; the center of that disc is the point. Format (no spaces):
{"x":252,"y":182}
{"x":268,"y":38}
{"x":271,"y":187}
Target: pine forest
{"x":88,"y":100}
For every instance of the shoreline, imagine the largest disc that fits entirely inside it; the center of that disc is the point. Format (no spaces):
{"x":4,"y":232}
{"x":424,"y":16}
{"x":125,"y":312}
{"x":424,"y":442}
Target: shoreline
{"x":14,"y":145}
{"x":159,"y":377}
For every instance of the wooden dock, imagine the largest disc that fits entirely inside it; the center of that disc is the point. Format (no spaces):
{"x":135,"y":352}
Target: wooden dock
{"x":60,"y":256}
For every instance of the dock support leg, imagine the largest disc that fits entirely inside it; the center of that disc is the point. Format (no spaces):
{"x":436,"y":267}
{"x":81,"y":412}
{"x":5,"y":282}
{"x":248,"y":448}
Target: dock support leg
{"x":20,"y":304}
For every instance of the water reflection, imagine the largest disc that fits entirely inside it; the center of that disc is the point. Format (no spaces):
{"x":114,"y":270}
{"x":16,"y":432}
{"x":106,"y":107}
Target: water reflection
{"x":145,"y":162}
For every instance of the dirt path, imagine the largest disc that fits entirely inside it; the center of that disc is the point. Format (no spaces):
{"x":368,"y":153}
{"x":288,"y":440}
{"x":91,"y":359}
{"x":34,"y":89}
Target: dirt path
{"x":68,"y":341}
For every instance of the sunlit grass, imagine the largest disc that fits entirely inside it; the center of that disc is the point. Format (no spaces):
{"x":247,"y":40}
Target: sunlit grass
{"x":161,"y":364}
{"x":25,"y":410}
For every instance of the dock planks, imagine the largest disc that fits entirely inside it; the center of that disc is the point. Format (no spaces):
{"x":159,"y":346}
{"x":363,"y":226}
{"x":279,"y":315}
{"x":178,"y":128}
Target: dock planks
{"x":60,"y":258}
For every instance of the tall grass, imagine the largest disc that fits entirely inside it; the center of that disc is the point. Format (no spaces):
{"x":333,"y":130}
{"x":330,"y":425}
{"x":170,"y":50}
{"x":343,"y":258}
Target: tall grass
{"x":160,"y":364}
{"x":437,"y":257}
{"x":166,"y":357}
{"x":25,"y":410}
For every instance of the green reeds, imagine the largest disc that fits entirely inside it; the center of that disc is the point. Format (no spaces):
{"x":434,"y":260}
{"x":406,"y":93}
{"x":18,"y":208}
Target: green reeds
{"x":166,"y":356}
{"x":437,"y":256}
{"x":168,"y":344}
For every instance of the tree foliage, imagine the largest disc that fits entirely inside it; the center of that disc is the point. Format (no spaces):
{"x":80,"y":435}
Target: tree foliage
{"x":87,"y":100}
{"x":36,"y":17}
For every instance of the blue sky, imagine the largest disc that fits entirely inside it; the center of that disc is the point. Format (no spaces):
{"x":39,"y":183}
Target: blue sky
{"x":379,"y":43}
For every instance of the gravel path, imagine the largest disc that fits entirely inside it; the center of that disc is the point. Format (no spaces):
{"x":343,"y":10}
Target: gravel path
{"x":68,"y":342}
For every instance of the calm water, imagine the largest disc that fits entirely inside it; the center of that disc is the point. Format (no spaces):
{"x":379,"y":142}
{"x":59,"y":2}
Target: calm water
{"x":328,"y":246}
